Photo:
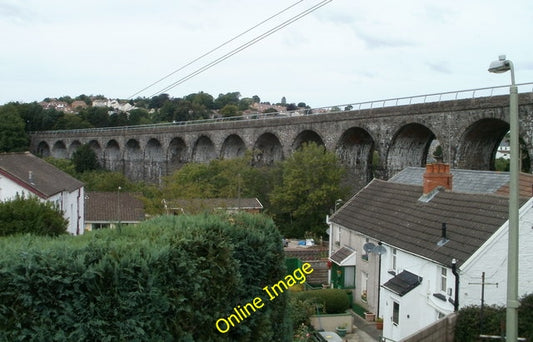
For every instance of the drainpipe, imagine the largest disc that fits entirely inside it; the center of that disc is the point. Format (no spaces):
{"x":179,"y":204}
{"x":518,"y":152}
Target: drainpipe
{"x":456,"y":274}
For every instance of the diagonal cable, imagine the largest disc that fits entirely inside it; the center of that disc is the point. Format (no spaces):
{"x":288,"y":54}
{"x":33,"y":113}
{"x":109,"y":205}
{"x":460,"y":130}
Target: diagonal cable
{"x":214,"y":49}
{"x":243,"y":46}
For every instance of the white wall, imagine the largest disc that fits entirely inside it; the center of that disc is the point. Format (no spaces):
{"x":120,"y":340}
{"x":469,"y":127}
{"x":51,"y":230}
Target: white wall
{"x":418,"y":308}
{"x":70,"y":203}
{"x":492,"y":259}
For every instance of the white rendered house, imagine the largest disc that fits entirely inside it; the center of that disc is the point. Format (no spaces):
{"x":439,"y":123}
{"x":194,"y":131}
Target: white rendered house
{"x":28,"y":175}
{"x":434,"y":245}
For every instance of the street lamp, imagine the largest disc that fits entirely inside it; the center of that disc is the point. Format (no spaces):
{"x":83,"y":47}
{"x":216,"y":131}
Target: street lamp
{"x":499,"y":66}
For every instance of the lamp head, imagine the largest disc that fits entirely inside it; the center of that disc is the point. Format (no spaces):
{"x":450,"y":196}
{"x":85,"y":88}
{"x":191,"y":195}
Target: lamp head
{"x":499,"y":66}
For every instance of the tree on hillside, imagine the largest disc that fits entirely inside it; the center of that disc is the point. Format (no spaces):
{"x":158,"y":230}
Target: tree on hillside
{"x":229,"y":110}
{"x":310,"y":185}
{"x":226,"y":99}
{"x":85,"y":159}
{"x":228,"y":178}
{"x":30,"y":215}
{"x":71,"y":121}
{"x":13,"y":137}
{"x":96,"y":116}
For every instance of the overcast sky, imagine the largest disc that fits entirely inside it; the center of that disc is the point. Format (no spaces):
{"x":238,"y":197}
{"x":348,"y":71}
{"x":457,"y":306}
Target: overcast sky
{"x":344,"y":52}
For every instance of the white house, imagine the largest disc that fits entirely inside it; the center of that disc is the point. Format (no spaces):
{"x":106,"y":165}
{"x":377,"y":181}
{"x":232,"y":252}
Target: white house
{"x":413,"y":254}
{"x":25,"y":174}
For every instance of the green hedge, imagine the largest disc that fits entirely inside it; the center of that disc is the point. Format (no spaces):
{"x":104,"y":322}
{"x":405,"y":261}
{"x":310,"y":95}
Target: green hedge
{"x":168,"y":279}
{"x":333,"y":300}
{"x":468,"y":321}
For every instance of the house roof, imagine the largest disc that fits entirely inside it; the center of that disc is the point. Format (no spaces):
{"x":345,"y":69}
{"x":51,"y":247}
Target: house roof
{"x":36,"y":175}
{"x":198,"y":204}
{"x":473,"y":181}
{"x":392,"y":213}
{"x":402,"y":283}
{"x":103,"y":207}
{"x":343,"y":257}
{"x":525,"y":186}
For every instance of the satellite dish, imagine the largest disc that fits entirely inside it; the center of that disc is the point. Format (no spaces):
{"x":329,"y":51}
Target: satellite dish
{"x":379,"y":249}
{"x":369,"y":247}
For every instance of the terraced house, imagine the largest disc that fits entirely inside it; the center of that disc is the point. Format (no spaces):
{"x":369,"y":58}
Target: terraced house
{"x":25,"y":174}
{"x":417,"y":247}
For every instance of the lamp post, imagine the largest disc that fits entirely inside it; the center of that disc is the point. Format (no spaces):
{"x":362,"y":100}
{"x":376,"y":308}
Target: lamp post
{"x":499,"y":66}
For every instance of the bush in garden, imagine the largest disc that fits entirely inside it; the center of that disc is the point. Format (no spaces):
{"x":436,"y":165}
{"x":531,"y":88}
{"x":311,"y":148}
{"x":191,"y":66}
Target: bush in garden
{"x":333,"y":301}
{"x":168,"y":279}
{"x":31,"y":216}
{"x":468,"y":321}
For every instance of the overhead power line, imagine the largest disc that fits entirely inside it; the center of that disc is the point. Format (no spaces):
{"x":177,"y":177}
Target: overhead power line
{"x":243,"y":46}
{"x":214,"y":49}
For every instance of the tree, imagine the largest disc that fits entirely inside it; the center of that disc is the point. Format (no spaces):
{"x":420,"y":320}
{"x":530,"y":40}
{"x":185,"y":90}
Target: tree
{"x":229,"y":110}
{"x":158,"y":101}
{"x":85,"y":159}
{"x":13,"y":137}
{"x":227,"y":178}
{"x":71,"y":121}
{"x":226,"y":99}
{"x":139,"y":117}
{"x":291,"y":107}
{"x":201,"y":98}
{"x":245,"y":103}
{"x":103,"y":180}
{"x":310,"y":185}
{"x":96,"y":116}
{"x":30,"y":215}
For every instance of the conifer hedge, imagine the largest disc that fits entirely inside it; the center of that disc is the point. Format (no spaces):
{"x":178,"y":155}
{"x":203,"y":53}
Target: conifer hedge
{"x":168,"y":279}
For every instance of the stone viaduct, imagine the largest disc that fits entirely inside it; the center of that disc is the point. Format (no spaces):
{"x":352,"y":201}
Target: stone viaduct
{"x":371,"y":142}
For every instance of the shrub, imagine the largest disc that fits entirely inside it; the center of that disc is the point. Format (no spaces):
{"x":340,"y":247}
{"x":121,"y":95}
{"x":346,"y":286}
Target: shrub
{"x":168,"y":279}
{"x":31,"y":216}
{"x":333,"y":300}
{"x":468,"y":321}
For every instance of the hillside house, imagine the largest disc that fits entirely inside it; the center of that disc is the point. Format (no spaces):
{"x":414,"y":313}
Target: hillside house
{"x":27,"y":175}
{"x":400,"y":247}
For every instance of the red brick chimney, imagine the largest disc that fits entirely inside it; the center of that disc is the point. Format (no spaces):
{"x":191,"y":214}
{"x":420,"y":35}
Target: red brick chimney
{"x":437,"y":174}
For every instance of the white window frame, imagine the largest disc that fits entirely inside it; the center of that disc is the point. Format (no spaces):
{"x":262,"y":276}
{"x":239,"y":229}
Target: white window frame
{"x":443,"y":277}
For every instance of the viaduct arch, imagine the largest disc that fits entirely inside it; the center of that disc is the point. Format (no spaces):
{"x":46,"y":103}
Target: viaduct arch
{"x":374,"y":142}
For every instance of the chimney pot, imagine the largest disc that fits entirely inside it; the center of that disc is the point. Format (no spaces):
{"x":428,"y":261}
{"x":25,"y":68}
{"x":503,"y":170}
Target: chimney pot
{"x":437,"y":174}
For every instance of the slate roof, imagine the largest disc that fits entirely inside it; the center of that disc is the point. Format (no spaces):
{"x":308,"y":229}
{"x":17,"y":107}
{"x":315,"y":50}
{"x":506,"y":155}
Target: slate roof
{"x":46,"y":179}
{"x":103,"y":207}
{"x":391,"y":212}
{"x":472,"y":181}
{"x":341,"y":255}
{"x":402,"y":283}
{"x":525,"y":186}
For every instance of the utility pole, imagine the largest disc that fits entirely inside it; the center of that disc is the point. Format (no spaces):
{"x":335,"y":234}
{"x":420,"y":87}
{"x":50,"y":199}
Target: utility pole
{"x":483,"y":283}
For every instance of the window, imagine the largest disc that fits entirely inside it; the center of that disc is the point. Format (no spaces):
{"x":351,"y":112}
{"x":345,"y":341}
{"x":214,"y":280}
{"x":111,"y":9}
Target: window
{"x":364,"y":285}
{"x":443,"y":279}
{"x":349,"y":277}
{"x":394,"y":258}
{"x":396,"y":313}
